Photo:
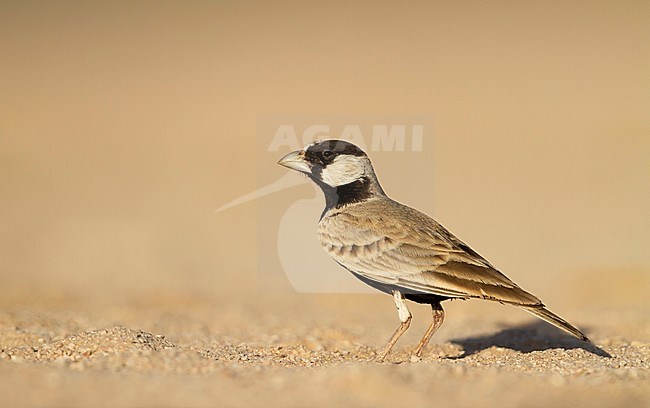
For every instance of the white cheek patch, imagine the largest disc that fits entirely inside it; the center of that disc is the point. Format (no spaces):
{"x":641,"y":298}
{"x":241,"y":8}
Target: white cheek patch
{"x":343,"y":170}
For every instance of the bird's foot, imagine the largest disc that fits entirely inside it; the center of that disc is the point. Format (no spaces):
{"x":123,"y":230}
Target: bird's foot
{"x":381,"y":356}
{"x":415,"y":358}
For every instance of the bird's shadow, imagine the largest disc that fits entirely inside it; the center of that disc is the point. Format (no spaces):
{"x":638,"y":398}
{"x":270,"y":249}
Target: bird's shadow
{"x":526,"y":338}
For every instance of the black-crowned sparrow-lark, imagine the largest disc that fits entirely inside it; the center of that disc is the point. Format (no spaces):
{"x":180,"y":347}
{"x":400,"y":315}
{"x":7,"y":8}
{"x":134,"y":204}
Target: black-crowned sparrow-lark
{"x":397,"y":249}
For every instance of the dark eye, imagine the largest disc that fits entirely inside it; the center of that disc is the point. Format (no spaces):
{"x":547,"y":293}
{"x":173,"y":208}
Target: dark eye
{"x":328,"y":154}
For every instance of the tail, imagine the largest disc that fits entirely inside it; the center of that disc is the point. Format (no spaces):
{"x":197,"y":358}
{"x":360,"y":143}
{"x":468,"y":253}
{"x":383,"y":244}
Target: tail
{"x":556,"y":321}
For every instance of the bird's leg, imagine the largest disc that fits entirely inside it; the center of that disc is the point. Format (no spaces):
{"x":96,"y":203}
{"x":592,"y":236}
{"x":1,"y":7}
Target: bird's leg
{"x":438,"y":318}
{"x":404,"y":316}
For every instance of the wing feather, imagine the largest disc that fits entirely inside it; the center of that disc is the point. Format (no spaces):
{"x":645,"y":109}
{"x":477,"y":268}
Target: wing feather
{"x":392,"y":244}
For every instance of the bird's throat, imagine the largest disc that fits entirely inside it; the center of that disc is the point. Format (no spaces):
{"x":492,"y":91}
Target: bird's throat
{"x":355,"y":192}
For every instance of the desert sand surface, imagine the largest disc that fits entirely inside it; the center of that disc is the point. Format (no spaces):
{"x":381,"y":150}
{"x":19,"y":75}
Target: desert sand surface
{"x":166,"y":349}
{"x":125,"y":125}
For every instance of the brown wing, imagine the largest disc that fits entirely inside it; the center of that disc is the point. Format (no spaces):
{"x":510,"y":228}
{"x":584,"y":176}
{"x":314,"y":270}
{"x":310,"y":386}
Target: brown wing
{"x":395,"y":245}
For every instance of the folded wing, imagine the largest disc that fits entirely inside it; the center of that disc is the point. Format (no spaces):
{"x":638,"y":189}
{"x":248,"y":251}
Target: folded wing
{"x":392,"y":244}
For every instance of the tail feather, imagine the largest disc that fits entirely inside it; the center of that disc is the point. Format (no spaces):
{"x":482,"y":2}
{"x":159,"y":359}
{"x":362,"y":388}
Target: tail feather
{"x":556,"y":321}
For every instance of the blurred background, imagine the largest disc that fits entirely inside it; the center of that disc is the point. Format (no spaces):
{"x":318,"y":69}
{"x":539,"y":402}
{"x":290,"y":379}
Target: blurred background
{"x":124,"y":125}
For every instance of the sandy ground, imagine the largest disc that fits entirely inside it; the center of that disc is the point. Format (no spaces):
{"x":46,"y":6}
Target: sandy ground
{"x":171,"y":349}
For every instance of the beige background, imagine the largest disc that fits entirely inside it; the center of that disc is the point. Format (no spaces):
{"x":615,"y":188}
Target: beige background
{"x":124,"y":125}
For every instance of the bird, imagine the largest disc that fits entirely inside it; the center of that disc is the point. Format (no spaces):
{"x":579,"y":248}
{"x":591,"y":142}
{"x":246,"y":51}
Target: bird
{"x":397,"y":249}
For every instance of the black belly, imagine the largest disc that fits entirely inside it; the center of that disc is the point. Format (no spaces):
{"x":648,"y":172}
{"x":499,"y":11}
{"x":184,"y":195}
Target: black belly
{"x":409,"y":294}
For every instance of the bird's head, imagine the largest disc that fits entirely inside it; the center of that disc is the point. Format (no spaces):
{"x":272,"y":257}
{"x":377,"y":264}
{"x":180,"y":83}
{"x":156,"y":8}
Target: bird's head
{"x":332,"y":162}
{"x":339,"y":168}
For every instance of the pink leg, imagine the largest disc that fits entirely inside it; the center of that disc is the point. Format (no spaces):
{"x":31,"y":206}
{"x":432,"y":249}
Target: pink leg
{"x":438,"y":318}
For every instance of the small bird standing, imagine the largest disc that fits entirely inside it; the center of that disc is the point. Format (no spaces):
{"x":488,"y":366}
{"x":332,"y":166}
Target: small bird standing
{"x":397,"y":249}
